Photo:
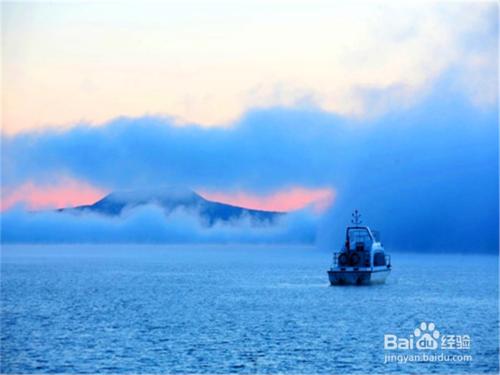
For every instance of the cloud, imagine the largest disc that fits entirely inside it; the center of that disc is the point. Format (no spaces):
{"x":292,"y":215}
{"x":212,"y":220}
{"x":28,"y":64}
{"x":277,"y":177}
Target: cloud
{"x":257,"y":153}
{"x":426,"y":176}
{"x":265,"y":151}
{"x":209,"y":65}
{"x":285,"y":200}
{"x":149,"y":224}
{"x":64,"y":192}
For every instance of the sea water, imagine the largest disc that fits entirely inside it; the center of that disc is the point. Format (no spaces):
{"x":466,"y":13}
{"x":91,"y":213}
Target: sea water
{"x":236,"y":309}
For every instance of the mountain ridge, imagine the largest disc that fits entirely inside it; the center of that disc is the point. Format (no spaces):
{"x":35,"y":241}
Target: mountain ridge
{"x":171,"y":199}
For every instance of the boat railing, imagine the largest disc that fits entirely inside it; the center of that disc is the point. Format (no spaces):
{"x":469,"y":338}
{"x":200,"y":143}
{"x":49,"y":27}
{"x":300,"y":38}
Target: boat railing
{"x":335,"y":260}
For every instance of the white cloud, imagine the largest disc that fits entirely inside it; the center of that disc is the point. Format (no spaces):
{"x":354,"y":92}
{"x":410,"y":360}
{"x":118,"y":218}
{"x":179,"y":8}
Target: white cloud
{"x":210,"y":62}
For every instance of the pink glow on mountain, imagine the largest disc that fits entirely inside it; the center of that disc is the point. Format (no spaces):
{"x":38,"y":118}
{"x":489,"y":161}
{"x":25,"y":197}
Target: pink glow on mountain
{"x":284,"y":200}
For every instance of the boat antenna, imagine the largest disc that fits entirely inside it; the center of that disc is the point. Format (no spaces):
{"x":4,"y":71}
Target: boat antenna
{"x":356,"y":218}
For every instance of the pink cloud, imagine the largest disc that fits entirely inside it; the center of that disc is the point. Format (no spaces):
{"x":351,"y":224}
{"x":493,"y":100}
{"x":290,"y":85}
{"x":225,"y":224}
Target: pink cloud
{"x":66,"y":193}
{"x":285,"y":200}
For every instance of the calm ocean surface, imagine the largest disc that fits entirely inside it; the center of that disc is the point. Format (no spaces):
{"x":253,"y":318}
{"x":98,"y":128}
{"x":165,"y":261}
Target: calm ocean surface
{"x":233,"y":309}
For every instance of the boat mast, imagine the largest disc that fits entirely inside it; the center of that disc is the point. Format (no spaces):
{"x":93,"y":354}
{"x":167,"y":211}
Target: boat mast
{"x":356,"y":218}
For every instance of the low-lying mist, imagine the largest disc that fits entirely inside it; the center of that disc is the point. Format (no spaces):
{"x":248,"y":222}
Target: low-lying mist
{"x":149,"y":224}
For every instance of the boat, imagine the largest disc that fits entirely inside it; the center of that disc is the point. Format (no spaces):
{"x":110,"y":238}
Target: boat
{"x":362,"y":260}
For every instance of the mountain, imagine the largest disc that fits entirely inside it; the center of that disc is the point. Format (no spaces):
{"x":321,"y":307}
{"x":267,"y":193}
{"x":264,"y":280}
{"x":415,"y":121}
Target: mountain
{"x":172,"y":198}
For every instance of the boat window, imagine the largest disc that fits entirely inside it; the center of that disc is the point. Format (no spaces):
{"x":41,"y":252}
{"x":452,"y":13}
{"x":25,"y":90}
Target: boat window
{"x":359,"y":239}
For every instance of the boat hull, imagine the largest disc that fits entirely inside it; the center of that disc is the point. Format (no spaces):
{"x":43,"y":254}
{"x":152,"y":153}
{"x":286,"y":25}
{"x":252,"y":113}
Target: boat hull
{"x":358,"y":277}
